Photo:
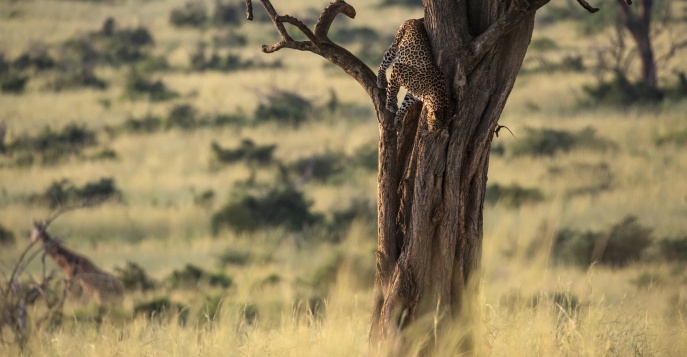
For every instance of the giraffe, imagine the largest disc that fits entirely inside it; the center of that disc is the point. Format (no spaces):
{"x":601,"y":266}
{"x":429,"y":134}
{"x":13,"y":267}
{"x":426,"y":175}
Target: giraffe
{"x":104,"y":287}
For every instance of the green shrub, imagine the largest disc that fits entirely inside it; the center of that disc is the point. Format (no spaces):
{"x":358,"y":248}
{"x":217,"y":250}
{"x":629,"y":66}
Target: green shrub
{"x":359,"y":209}
{"x":6,"y":236}
{"x":192,"y":276}
{"x":513,"y":195}
{"x":134,"y":277}
{"x":182,"y":116}
{"x":621,"y":92}
{"x":548,"y":142}
{"x":673,"y":250}
{"x":63,"y":192}
{"x":284,"y":108}
{"x":51,"y":146}
{"x":211,"y":309}
{"x":347,"y":35}
{"x":623,"y":243}
{"x":137,"y":86}
{"x":235,"y":257}
{"x":147,"y":124}
{"x":226,"y":13}
{"x":543,"y":43}
{"x":13,"y":82}
{"x":162,"y":308}
{"x":367,"y":156}
{"x":408,"y":3}
{"x":674,"y":137}
{"x":192,"y":14}
{"x":247,"y":151}
{"x":80,"y":79}
{"x":281,"y":206}
{"x":320,"y":167}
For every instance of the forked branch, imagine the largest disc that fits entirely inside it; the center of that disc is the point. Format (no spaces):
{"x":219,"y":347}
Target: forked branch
{"x":318,"y":41}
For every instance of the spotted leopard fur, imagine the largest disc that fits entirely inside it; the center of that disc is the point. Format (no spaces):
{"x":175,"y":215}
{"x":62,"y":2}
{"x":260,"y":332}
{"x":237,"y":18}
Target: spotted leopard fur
{"x":414,"y":68}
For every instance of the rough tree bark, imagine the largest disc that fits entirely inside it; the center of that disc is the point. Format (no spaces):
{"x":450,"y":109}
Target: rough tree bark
{"x":431,"y":185}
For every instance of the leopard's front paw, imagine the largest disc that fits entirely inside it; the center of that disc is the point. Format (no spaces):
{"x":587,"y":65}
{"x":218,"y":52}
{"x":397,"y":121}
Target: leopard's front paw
{"x":381,"y":82}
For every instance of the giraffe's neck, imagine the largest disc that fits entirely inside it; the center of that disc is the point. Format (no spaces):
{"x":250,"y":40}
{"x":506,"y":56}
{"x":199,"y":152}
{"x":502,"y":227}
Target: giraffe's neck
{"x":67,"y":260}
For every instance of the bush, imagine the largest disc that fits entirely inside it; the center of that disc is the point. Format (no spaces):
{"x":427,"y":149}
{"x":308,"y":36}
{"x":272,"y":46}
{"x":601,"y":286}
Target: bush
{"x":620,"y":92}
{"x":347,"y":35}
{"x":147,"y":124}
{"x":134,"y":277}
{"x":192,"y":14}
{"x":674,"y":137}
{"x":6,"y":236}
{"x":512,"y":196}
{"x":182,"y":116}
{"x":138,"y":86}
{"x":280,"y":206}
{"x":192,"y":276}
{"x":234,"y":257}
{"x":80,"y":79}
{"x":52,"y":146}
{"x":13,"y":82}
{"x":284,"y":108}
{"x":247,"y":151}
{"x":160,"y":308}
{"x":367,"y":156}
{"x":63,"y":192}
{"x":673,"y":250}
{"x":358,"y":209}
{"x":227,"y":13}
{"x":548,"y":142}
{"x":408,"y":3}
{"x":320,"y":167}
{"x":624,"y":243}
{"x":543,"y":43}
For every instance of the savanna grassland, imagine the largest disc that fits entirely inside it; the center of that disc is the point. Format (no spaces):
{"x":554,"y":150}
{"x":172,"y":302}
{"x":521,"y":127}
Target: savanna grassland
{"x":241,"y":213}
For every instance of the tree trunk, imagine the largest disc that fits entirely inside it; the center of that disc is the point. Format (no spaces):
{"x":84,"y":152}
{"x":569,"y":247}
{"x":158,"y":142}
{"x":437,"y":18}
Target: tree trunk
{"x":639,"y":26}
{"x":432,"y":185}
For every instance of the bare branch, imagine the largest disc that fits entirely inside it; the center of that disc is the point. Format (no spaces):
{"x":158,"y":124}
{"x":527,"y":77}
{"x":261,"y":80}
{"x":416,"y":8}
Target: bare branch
{"x":300,"y":25}
{"x":249,"y":10}
{"x":588,"y":7}
{"x":325,"y":20}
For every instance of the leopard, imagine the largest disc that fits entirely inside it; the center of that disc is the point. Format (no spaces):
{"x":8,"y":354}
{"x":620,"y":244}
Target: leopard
{"x":414,"y":68}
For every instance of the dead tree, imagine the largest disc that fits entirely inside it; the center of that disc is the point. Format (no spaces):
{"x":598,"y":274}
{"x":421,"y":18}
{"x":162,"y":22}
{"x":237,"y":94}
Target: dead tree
{"x":431,"y":185}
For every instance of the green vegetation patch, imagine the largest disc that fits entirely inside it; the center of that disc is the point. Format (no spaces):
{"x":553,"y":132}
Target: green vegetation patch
{"x":50,"y":146}
{"x":513,"y":195}
{"x":64,"y":192}
{"x":548,"y":142}
{"x":247,"y":151}
{"x":192,"y":276}
{"x":134,"y":277}
{"x":6,"y":236}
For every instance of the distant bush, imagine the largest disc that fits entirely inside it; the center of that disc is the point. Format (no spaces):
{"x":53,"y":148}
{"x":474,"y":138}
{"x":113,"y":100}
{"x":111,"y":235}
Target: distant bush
{"x":513,"y":195}
{"x":134,"y":277}
{"x":182,"y":116}
{"x":162,"y":308}
{"x":191,"y":276}
{"x":346,"y":35}
{"x":228,"y":63}
{"x":359,"y":209}
{"x":674,"y":137}
{"x":235,"y":257}
{"x":367,"y":156}
{"x":623,"y":243}
{"x":543,"y":43}
{"x":227,"y":13}
{"x":283,"y":107}
{"x":13,"y":82}
{"x":192,"y":14}
{"x":137,"y":86}
{"x":277,"y":207}
{"x":51,"y":146}
{"x":548,"y":142}
{"x":80,"y":79}
{"x":621,"y":92}
{"x":147,"y":124}
{"x":63,"y":192}
{"x":247,"y":151}
{"x":673,"y":250}
{"x":6,"y":236}
{"x":320,"y":167}
{"x":211,"y":309}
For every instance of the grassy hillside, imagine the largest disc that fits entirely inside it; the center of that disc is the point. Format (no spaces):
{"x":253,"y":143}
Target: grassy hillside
{"x":188,"y":128}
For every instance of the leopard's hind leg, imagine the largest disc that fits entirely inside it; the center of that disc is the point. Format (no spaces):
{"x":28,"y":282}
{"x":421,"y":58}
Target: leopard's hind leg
{"x":408,"y":101}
